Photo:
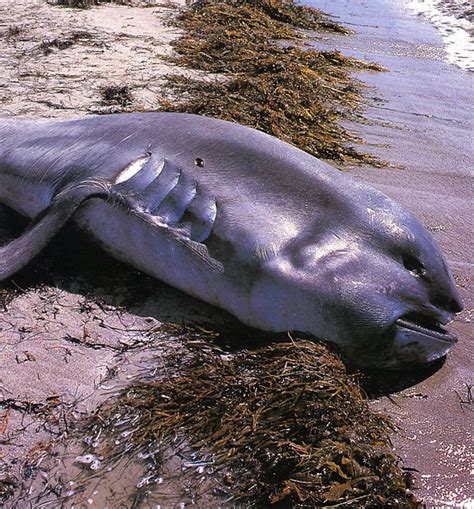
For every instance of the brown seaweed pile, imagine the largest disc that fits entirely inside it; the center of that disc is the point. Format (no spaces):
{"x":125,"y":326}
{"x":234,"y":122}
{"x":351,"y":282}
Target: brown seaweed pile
{"x":267,"y":78}
{"x":284,"y":424}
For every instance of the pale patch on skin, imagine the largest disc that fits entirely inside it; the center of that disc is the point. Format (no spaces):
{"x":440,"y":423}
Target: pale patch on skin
{"x":131,"y":170}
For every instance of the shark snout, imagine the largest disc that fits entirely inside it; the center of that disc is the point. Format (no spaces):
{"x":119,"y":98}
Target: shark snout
{"x":449,"y":304}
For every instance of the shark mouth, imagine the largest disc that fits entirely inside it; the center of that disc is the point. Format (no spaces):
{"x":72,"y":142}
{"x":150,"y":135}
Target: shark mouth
{"x":425,"y":325}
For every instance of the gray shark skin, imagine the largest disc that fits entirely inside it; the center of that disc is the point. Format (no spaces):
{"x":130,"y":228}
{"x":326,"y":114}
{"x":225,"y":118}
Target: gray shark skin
{"x":240,"y":220}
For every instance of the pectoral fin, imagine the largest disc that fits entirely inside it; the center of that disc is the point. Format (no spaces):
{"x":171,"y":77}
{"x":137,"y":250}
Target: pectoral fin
{"x":20,"y":251}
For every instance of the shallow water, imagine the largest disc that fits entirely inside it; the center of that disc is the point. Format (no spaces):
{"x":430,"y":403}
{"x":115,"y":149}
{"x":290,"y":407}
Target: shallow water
{"x":461,"y":9}
{"x":454,"y":19}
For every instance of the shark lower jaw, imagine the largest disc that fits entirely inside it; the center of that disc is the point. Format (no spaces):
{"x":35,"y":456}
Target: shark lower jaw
{"x":410,"y":341}
{"x":415,"y":339}
{"x":423,"y":325}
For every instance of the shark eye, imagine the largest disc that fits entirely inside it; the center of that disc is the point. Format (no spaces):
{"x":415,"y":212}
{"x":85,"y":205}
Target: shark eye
{"x":413,"y":265}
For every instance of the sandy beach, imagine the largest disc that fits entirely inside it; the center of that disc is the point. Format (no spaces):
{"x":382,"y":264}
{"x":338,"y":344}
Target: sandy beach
{"x":55,"y":60}
{"x":61,"y":344}
{"x":421,"y":117}
{"x":94,"y":330}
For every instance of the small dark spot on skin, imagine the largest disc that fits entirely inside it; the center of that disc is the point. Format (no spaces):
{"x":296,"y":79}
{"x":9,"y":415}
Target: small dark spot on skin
{"x":199,"y":162}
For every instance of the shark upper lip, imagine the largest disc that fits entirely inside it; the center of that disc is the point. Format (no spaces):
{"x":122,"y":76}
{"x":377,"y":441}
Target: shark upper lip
{"x":428,"y":325}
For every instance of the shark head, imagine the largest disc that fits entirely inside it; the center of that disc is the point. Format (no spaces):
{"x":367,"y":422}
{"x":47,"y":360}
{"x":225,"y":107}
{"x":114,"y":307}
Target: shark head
{"x":372,"y":280}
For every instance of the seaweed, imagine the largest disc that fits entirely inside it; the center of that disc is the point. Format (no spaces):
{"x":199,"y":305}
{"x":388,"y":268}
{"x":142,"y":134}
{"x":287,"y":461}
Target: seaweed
{"x":120,"y":95}
{"x":283,"y":425}
{"x":64,"y":41}
{"x":7,"y":488}
{"x":86,"y":4}
{"x":266,"y":77}
{"x":78,"y":4}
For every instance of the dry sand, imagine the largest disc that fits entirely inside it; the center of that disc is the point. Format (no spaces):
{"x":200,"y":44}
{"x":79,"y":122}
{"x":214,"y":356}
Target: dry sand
{"x":55,"y":60}
{"x":67,"y":343}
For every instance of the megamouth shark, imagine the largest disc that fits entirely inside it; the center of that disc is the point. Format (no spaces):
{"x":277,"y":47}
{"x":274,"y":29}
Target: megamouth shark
{"x":239,"y":219}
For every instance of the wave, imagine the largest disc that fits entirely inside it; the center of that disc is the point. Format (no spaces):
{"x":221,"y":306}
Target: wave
{"x":454,"y":19}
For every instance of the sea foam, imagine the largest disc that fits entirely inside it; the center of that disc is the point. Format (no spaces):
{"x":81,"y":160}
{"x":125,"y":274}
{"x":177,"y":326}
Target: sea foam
{"x":454,"y":19}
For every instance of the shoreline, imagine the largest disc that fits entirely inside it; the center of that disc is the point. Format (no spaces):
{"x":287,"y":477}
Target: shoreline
{"x":454,"y":20}
{"x":419,"y":122}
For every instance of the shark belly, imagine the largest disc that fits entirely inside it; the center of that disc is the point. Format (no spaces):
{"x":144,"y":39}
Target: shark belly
{"x":129,"y":238}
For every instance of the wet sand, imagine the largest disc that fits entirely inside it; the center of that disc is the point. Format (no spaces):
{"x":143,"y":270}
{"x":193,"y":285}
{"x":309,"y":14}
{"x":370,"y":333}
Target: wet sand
{"x":421,"y":113}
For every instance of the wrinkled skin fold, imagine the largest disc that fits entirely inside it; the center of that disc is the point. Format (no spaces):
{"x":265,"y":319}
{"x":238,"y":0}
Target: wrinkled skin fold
{"x":238,"y":219}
